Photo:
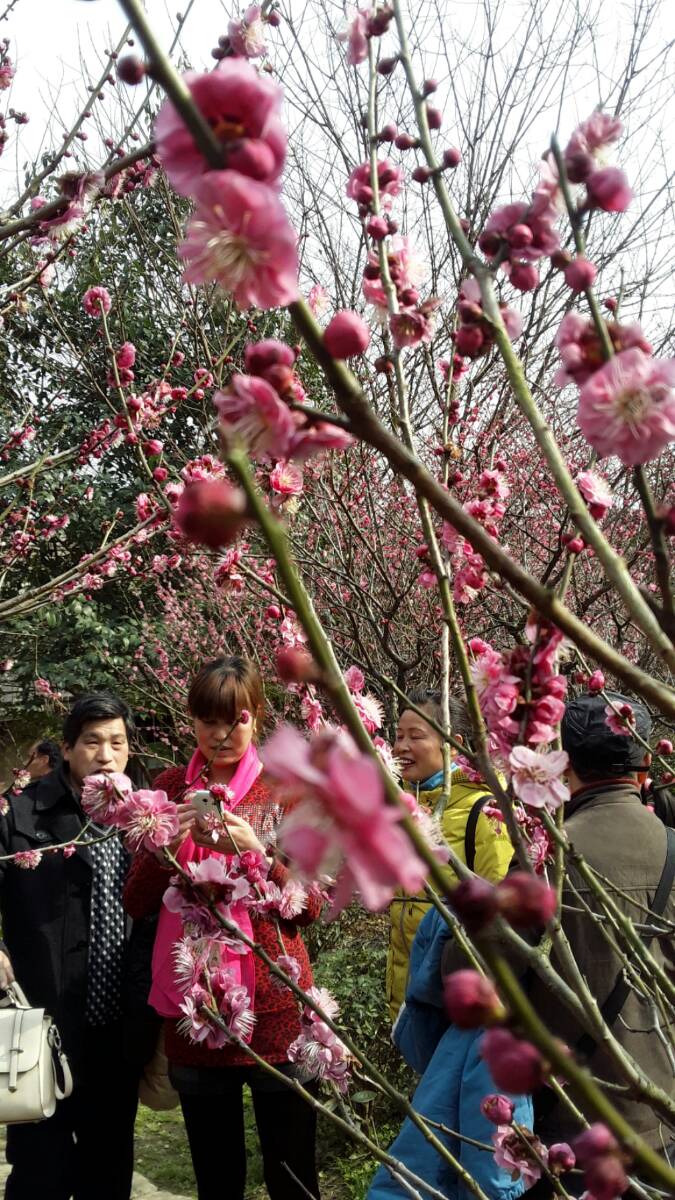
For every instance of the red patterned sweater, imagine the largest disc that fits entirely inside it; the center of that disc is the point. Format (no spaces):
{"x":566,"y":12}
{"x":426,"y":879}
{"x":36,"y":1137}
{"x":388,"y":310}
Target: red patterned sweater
{"x":276,"y":1009}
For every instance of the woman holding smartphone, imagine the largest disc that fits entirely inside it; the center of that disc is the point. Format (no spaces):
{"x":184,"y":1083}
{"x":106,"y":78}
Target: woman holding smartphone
{"x":226,"y":705}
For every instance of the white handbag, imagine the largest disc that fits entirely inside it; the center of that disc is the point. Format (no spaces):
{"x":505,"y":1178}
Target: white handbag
{"x":34,"y":1071}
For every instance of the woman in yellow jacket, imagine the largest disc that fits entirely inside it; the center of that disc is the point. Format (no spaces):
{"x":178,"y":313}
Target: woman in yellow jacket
{"x":465,"y":827}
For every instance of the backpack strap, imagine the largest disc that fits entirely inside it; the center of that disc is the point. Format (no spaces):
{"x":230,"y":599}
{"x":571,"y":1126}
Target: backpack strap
{"x":470,"y":831}
{"x":619,"y":993}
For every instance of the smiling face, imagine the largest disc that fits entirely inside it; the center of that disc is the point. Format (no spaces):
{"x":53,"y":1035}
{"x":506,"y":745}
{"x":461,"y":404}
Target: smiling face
{"x":101,"y":746}
{"x":418,"y":748}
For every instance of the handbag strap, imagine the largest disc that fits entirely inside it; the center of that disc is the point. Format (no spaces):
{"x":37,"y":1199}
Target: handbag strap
{"x":14,"y":997}
{"x":619,"y":993}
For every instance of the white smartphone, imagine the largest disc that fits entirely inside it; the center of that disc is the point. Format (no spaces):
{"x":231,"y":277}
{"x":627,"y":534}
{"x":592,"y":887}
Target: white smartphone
{"x":203,"y":802}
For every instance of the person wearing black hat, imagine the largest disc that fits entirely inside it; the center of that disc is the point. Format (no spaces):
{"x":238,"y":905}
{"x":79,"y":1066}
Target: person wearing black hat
{"x":624,"y":842}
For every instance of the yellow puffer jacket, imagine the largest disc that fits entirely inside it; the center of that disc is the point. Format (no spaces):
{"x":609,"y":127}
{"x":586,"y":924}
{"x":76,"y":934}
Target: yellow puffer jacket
{"x":493,"y":855}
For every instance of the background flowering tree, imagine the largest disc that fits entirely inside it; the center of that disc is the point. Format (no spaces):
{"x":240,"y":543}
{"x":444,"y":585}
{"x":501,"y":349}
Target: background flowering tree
{"x":189,"y":460}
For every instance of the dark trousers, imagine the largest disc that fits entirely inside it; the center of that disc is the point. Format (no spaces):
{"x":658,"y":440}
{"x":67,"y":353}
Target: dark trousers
{"x":86,"y":1150}
{"x":213,"y":1112}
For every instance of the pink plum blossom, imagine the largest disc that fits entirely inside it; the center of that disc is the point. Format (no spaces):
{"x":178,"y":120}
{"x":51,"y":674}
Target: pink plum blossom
{"x":355,"y":679}
{"x":103,"y":795}
{"x":596,"y":492}
{"x":581,"y":351}
{"x":318,"y":1052}
{"x":250,"y":410}
{"x":242,"y":108}
{"x":286,"y":479}
{"x":96,"y":301}
{"x":369,"y":710}
{"x":290,"y":966}
{"x":390,"y":181}
{"x":537,"y":777}
{"x":627,"y":407}
{"x":621,"y":722}
{"x":148,"y":820}
{"x":514,"y":1154}
{"x":240,"y":238}
{"x":28,"y":860}
{"x":355,"y":36}
{"x":342,"y":818}
{"x":247,"y":36}
{"x":593,"y":135}
{"x":318,"y":300}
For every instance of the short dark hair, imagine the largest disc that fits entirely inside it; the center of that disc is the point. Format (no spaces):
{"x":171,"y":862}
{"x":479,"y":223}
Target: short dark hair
{"x":224,"y":687}
{"x":460,"y":721}
{"x":95,"y":706}
{"x":48,"y":749}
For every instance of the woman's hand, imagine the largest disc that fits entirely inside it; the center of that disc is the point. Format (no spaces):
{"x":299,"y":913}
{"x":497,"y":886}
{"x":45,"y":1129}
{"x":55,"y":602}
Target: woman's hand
{"x":243,"y":838}
{"x":186,"y":820}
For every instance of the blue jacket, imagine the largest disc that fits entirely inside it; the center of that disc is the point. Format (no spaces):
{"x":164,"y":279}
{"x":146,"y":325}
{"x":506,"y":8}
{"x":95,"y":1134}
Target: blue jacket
{"x":454,"y":1081}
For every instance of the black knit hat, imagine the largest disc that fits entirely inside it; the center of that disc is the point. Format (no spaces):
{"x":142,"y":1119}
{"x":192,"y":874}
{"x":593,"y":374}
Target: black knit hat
{"x":593,"y":748}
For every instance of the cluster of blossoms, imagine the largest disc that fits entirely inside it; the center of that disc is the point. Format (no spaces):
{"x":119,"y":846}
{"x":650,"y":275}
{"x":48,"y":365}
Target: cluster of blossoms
{"x":239,"y":235}
{"x":474,"y":336}
{"x":340,"y":823}
{"x":520,"y":694}
{"x":78,"y":193}
{"x":147,"y":819}
{"x":488,"y":507}
{"x":364,"y":24}
{"x":317,"y":1051}
{"x":626,"y":404}
{"x":257,"y":408}
{"x":412,"y":322}
{"x":519,"y":235}
{"x":520,"y":1152}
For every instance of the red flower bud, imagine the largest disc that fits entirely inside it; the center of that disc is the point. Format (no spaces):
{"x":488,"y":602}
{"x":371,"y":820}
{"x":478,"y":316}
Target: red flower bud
{"x":664,"y":746}
{"x":593,"y":1143}
{"x":520,"y":236}
{"x":346,"y":335}
{"x":434,"y":117}
{"x":605,"y":1178}
{"x":130,"y":69}
{"x":498,"y":1109}
{"x":386,"y":65}
{"x":470,"y":1000}
{"x":451,"y":159}
{"x":405,"y":141}
{"x":561,"y":1158}
{"x":474,"y":901}
{"x":296,"y":666}
{"x":515,"y":1065}
{"x":580,"y":274}
{"x":610,"y":304}
{"x":273,"y":612}
{"x":524,"y":276}
{"x":561,"y":259}
{"x":211,"y":512}
{"x":429,"y":86}
{"x":421,"y":174}
{"x":377,"y":228}
{"x":525,"y":900}
{"x":579,"y":166}
{"x":596,"y":682}
{"x":387,"y":133}
{"x":469,"y":340}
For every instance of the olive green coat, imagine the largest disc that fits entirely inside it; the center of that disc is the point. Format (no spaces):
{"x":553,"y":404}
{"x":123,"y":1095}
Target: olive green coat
{"x":493,"y":855}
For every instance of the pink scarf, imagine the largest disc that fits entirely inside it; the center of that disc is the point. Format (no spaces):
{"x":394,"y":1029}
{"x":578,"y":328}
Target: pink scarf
{"x":165,"y":994}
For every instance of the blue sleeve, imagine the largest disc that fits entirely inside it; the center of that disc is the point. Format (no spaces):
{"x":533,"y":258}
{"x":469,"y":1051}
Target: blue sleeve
{"x":450,"y":1092}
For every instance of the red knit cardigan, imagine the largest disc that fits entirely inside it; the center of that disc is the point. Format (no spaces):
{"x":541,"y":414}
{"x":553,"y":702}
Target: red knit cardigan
{"x":276,"y":1009}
